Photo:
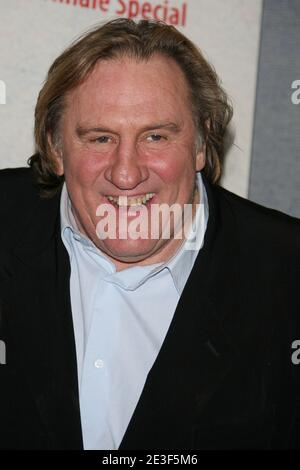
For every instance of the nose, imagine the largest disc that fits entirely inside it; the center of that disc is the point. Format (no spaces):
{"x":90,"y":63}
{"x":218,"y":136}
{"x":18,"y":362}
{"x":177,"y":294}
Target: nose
{"x":126,"y":169}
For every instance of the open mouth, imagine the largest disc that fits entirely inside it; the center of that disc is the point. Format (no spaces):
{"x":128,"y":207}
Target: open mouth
{"x":125,"y":201}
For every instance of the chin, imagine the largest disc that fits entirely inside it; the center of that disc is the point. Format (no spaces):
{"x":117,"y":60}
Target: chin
{"x":128,"y":250}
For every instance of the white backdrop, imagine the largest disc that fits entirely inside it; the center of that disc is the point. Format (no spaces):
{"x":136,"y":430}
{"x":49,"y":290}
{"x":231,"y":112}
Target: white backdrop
{"x":34,"y":32}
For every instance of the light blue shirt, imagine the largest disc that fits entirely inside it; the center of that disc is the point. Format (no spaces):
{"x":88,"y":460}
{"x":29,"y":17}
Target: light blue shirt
{"x":120,"y":322}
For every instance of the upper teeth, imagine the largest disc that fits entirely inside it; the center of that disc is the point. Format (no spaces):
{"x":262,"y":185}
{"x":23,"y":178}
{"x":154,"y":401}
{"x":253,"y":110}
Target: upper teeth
{"x":130,"y":201}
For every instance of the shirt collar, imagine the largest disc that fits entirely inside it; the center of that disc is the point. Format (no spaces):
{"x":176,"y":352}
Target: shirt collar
{"x":179,"y":265}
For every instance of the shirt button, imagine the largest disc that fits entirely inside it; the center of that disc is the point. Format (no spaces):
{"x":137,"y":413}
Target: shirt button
{"x":99,"y":364}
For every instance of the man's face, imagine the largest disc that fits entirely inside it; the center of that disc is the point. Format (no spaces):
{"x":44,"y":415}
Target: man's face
{"x":128,"y":131}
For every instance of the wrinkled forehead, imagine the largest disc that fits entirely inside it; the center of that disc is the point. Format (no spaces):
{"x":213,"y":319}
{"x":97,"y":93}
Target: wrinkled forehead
{"x":126,"y":84}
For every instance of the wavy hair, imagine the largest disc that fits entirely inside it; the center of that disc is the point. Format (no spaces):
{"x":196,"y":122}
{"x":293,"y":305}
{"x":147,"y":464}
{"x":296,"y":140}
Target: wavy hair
{"x":141,"y":40}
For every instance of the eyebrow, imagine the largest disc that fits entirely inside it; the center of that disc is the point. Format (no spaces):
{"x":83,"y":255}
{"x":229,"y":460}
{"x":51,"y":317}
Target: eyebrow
{"x":82,"y":131}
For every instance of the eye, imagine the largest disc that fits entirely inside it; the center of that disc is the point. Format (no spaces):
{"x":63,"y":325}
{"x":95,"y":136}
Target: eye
{"x":103,"y":139}
{"x":155,"y":138}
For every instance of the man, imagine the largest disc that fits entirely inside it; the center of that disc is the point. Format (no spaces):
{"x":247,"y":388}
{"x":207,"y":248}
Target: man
{"x":142,"y":342}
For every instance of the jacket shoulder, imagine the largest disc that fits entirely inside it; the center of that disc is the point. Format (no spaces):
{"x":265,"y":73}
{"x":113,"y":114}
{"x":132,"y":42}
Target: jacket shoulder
{"x":18,"y":195}
{"x":15,"y":180}
{"x":17,"y":187}
{"x":261,"y":225}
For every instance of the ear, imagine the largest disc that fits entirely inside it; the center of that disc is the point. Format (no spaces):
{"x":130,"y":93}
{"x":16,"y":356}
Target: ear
{"x":201,"y":157}
{"x":56,"y":155}
{"x":201,"y":152}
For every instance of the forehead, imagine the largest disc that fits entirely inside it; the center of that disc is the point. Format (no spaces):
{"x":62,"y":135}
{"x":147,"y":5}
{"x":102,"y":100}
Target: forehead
{"x":127,"y":85}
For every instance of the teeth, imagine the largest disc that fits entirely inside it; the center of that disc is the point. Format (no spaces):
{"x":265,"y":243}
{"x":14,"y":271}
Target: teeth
{"x":130,"y":201}
{"x":122,"y":201}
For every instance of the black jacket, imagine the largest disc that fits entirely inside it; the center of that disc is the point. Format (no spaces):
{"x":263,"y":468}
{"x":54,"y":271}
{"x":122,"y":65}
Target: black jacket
{"x":223,"y":378}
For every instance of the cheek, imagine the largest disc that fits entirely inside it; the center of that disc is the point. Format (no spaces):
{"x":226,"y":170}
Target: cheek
{"x":174,"y":168}
{"x":83,"y":167}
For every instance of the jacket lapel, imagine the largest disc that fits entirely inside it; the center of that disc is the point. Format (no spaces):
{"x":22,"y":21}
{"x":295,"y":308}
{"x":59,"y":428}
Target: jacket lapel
{"x":198,"y":352}
{"x":196,"y":356}
{"x":40,"y":321}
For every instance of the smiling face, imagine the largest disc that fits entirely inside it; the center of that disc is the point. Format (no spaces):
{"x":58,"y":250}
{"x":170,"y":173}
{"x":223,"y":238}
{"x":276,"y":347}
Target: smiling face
{"x":128,"y":130}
